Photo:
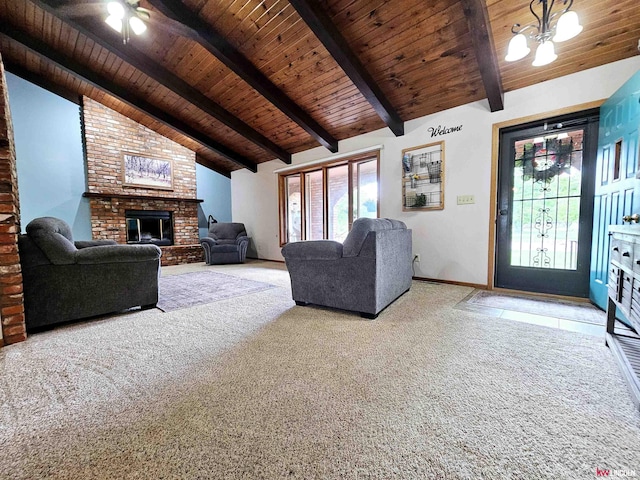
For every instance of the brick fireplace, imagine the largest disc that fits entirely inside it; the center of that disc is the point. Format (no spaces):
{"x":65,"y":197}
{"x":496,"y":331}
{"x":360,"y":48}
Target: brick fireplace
{"x":108,"y":137}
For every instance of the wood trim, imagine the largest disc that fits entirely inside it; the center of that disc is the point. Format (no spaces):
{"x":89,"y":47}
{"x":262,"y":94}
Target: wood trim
{"x":282,"y":224}
{"x":325,"y":203}
{"x":451,"y":282}
{"x":350,"y":161}
{"x":551,"y":113}
{"x":495,"y":150}
{"x":125,"y":196}
{"x":303,"y":206}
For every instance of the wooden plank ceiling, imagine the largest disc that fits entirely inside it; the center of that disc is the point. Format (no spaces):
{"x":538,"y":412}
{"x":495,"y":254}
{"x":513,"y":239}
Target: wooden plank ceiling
{"x":243,"y":82}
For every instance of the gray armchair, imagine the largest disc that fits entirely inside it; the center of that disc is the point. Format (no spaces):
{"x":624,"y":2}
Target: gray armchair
{"x":225,"y":243}
{"x":364,"y":274}
{"x":65,"y":280}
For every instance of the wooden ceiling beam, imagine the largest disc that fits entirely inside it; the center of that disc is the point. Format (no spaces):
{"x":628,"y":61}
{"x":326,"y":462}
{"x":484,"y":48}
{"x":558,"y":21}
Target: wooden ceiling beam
{"x":211,"y":166}
{"x":207,"y":36}
{"x":94,"y":29}
{"x":323,"y":27}
{"x":477,"y":17}
{"x":42,"y":82}
{"x":71,"y":66}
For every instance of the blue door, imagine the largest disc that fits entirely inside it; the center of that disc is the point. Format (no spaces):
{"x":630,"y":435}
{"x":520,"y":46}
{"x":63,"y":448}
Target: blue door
{"x":617,"y":178}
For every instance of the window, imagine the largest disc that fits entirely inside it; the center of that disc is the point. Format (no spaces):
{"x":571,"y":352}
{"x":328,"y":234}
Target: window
{"x":322,"y":201}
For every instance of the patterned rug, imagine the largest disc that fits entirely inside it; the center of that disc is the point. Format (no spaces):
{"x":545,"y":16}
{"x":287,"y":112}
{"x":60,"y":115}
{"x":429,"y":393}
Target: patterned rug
{"x":197,"y":288}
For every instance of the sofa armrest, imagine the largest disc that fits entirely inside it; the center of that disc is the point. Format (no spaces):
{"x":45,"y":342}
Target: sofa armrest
{"x":93,"y":243}
{"x":208,"y":241}
{"x":242,"y":239}
{"x":313,"y":250}
{"x":117,"y":254}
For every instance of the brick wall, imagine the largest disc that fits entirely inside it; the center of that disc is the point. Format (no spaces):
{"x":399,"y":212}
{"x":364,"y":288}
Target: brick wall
{"x":108,"y":216}
{"x":13,"y":327}
{"x":108,"y":136}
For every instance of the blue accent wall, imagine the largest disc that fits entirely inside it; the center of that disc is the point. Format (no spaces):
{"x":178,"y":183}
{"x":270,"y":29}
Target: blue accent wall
{"x":51,"y":167}
{"x":215,"y":190}
{"x":49,"y":156}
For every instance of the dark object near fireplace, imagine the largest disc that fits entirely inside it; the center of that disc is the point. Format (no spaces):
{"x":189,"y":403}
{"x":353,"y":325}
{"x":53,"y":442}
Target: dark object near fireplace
{"x":149,"y":226}
{"x":225,"y":243}
{"x":65,"y":280}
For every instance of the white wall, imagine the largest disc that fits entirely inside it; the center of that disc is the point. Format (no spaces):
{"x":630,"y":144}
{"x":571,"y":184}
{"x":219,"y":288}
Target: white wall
{"x":453,"y":243}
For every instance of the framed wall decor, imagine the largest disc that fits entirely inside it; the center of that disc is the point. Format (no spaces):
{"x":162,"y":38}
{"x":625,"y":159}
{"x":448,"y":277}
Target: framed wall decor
{"x":423,"y":177}
{"x":147,"y":172}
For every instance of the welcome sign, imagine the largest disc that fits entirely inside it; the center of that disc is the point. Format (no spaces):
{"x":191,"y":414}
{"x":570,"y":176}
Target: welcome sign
{"x":440,"y":130}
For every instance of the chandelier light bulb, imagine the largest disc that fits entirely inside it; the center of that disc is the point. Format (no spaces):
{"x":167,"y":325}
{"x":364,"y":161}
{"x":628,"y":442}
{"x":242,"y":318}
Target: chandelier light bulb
{"x":137,"y":25}
{"x":114,"y":22}
{"x":116,"y":10}
{"x":568,"y":27}
{"x":550,"y":26}
{"x":518,"y":48}
{"x":545,"y":54}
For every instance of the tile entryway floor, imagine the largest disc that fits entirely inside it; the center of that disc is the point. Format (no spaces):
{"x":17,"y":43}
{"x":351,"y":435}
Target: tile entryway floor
{"x":566,"y":315}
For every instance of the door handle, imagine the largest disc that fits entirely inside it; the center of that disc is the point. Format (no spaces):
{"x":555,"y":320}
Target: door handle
{"x":504,"y":212}
{"x":631,"y":218}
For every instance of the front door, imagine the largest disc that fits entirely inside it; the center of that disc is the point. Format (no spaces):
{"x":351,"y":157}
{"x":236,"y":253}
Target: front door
{"x":617,"y":173}
{"x":545,"y":203}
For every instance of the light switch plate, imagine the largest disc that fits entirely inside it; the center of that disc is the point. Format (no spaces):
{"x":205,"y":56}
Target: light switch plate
{"x":466,"y":199}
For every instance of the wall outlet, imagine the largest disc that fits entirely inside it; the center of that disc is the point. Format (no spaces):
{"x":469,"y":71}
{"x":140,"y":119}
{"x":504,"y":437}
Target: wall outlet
{"x":416,"y":258}
{"x":466,"y":199}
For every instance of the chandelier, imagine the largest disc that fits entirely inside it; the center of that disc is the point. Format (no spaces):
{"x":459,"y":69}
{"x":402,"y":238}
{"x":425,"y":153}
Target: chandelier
{"x":545,"y":32}
{"x":126,"y":16}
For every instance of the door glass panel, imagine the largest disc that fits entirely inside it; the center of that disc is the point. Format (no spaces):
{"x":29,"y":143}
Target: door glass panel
{"x":338,"y":197}
{"x":292,"y":185}
{"x":314,"y":206}
{"x":547,"y":180}
{"x":365,"y":189}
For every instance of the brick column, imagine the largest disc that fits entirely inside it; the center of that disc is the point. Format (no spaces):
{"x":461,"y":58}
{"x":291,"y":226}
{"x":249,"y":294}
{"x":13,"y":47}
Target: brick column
{"x":11,"y":298}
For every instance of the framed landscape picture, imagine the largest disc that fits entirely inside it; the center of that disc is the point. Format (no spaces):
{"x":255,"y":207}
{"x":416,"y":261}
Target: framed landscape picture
{"x":147,"y":172}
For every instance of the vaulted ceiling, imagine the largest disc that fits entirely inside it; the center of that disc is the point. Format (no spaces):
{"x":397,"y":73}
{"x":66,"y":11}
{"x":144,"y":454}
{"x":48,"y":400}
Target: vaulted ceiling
{"x":243,"y":82}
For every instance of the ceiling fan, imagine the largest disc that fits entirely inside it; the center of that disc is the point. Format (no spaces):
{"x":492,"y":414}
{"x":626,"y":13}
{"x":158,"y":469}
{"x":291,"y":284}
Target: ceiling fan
{"x":126,"y":16}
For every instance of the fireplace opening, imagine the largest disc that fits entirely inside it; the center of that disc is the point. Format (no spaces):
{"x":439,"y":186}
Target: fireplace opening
{"x":149,"y":226}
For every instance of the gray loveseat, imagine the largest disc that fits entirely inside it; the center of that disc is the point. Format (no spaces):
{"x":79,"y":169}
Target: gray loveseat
{"x":364,"y":274}
{"x":226,"y":243}
{"x":66,"y":280}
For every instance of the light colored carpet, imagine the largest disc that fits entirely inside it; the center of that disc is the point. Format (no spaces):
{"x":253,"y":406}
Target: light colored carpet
{"x":198,"y":288}
{"x":258,"y":388}
{"x":578,"y":312}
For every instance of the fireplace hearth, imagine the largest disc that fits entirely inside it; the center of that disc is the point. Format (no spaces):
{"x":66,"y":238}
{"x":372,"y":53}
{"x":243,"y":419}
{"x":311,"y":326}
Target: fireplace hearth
{"x":149,"y":226}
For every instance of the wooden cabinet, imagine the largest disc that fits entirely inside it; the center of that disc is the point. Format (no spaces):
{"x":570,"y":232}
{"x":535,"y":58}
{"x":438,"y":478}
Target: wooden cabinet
{"x":624,"y":297}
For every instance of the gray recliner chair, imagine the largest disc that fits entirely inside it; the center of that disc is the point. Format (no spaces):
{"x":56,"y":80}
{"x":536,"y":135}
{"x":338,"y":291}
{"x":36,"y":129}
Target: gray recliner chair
{"x":364,"y":274}
{"x":225,"y":243}
{"x":65,"y":280}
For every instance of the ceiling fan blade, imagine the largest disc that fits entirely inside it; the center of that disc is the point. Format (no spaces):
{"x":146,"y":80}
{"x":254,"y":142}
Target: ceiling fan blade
{"x":160,"y":23}
{"x":82,"y":9}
